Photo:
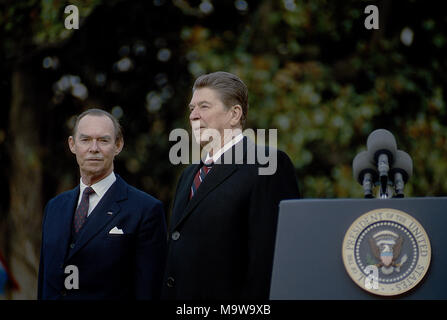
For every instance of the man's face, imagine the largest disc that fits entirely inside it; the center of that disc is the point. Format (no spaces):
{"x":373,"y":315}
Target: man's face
{"x":208,"y":112}
{"x":95,"y":147}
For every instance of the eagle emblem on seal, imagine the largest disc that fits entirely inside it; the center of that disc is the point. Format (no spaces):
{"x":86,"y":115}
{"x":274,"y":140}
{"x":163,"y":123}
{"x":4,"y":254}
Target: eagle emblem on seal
{"x":386,"y":247}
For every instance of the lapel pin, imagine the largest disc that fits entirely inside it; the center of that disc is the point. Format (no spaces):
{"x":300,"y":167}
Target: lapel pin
{"x":110,"y":213}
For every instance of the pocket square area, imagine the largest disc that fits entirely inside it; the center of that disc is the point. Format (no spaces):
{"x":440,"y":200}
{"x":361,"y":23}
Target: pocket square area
{"x":115,"y":230}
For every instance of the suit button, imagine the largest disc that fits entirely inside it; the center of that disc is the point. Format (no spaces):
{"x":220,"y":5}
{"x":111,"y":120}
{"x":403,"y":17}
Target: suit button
{"x":175,"y":235}
{"x":170,"y":282}
{"x":72,"y":245}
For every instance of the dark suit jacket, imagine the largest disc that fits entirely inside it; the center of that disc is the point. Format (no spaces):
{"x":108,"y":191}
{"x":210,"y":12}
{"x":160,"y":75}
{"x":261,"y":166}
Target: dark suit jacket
{"x":221,"y":242}
{"x":111,"y":266}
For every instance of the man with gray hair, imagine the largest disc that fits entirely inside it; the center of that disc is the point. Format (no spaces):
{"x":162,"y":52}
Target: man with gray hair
{"x":104,"y":239}
{"x":224,"y":216}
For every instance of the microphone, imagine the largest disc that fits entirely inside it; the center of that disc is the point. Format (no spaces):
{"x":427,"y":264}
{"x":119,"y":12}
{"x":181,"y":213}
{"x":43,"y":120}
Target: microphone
{"x":401,"y":172}
{"x":382,"y":148}
{"x":365,"y":172}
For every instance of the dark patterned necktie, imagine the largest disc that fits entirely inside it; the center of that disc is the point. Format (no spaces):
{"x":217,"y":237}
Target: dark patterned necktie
{"x":82,"y":210}
{"x":199,"y":177}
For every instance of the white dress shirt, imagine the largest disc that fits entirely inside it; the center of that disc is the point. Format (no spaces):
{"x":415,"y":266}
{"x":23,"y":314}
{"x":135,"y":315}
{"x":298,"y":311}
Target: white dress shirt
{"x":100,"y":189}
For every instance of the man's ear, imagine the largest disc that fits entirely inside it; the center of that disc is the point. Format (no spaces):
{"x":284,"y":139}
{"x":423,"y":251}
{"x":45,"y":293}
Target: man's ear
{"x":71,"y":144}
{"x":236,"y":115}
{"x":119,"y":146}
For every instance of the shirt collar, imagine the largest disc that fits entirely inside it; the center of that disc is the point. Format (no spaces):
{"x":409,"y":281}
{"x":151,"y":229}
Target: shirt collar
{"x":227,"y":146}
{"x":101,"y":186}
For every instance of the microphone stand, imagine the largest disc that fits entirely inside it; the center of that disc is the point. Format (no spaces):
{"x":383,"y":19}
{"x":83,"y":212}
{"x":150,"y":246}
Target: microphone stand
{"x":383,"y":168}
{"x":368,"y":185}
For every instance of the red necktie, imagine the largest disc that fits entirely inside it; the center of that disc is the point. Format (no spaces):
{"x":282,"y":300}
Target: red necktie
{"x":82,"y":210}
{"x":199,"y":177}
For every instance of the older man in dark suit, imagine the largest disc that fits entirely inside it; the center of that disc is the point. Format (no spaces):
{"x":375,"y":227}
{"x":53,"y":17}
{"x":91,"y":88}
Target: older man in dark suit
{"x":104,"y":239}
{"x":224,"y":217}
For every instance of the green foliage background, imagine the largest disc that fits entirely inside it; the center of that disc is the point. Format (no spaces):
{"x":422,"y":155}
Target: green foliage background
{"x":313,"y":70}
{"x":326,"y":82}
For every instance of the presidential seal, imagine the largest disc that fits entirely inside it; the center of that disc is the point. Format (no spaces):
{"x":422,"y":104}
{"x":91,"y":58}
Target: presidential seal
{"x":386,"y":252}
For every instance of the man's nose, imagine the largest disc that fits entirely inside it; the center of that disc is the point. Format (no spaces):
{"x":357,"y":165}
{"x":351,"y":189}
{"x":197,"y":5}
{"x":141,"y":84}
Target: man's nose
{"x":194,"y":115}
{"x":94,"y":146}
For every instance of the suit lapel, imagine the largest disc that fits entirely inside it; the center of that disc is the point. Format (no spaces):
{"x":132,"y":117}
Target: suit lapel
{"x":218,"y":174}
{"x":182,"y":196}
{"x":214,"y":178}
{"x":106,"y":210}
{"x":64,"y":225}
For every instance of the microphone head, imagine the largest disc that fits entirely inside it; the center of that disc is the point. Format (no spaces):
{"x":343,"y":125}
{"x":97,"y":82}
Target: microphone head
{"x":403,"y":164}
{"x":361,"y":165}
{"x":381,"y":141}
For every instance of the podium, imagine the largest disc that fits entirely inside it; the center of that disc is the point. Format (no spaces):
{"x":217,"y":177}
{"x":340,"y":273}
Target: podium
{"x":312,"y":257}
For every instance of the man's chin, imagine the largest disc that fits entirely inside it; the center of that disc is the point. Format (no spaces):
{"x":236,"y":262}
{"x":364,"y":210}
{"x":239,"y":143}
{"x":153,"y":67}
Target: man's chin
{"x":93,"y":170}
{"x":205,"y":142}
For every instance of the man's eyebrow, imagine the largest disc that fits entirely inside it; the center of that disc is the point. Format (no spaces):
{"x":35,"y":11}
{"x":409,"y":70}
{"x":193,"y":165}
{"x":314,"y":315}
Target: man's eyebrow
{"x":105,"y":137}
{"x":199,"y":103}
{"x":87,"y":136}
